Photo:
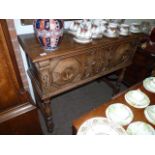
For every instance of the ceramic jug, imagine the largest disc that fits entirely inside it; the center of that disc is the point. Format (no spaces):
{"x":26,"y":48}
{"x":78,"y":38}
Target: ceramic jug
{"x":49,"y":32}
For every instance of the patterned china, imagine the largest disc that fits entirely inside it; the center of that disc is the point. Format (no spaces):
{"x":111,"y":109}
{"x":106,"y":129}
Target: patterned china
{"x":112,"y":28}
{"x":150,"y":114}
{"x":140,"y":128}
{"x":74,"y":25}
{"x":100,"y":126}
{"x":135,"y":28}
{"x":119,"y":113}
{"x":49,"y":32}
{"x":149,"y":84}
{"x":137,"y":98}
{"x":124,"y":30}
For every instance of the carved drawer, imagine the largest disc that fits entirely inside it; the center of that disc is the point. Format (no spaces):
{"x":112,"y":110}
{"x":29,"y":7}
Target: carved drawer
{"x":68,"y":71}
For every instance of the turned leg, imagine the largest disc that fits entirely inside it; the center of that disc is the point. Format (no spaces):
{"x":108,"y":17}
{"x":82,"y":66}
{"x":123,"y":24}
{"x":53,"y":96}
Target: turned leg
{"x":119,"y":80}
{"x":48,"y":114}
{"x":44,"y":106}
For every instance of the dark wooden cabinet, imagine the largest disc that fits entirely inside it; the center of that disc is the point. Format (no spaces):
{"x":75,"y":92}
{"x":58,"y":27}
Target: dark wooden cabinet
{"x":74,"y":64}
{"x":18,"y":114}
{"x":142,"y":66}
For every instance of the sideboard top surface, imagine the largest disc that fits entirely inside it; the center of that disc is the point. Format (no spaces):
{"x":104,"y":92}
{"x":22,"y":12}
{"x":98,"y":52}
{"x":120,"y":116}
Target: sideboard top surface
{"x":35,"y":52}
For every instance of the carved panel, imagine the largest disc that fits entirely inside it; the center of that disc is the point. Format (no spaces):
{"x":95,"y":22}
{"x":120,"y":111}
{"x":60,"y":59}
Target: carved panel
{"x":66,"y":71}
{"x":120,"y":54}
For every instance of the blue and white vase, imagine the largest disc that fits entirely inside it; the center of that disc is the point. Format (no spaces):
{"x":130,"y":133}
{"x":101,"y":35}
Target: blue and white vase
{"x":49,"y":32}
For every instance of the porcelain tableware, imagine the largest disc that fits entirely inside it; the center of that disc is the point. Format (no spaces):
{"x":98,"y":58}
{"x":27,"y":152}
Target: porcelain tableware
{"x":150,"y":114}
{"x":74,"y":25}
{"x":82,"y":41}
{"x":137,"y":98}
{"x":124,"y":29}
{"x":149,"y":84}
{"x":119,"y":113}
{"x":96,"y":31}
{"x":140,"y":128}
{"x":83,"y":33}
{"x":112,"y":28}
{"x":135,"y":28}
{"x":100,"y":126}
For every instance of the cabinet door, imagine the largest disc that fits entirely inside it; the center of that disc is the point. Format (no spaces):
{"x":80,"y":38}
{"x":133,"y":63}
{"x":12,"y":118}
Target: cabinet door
{"x":8,"y":82}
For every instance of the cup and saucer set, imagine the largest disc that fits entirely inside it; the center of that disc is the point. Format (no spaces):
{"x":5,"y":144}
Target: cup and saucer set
{"x":135,"y":28}
{"x":83,"y":35}
{"x":112,"y":30}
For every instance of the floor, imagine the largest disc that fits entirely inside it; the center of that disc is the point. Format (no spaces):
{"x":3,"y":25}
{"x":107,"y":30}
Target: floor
{"x":73,"y":104}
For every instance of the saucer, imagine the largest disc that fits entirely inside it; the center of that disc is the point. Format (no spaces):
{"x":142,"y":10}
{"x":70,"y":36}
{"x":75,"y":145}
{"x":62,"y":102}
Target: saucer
{"x":140,"y":128}
{"x":123,"y":34}
{"x":100,"y":126}
{"x":119,"y":113}
{"x":83,"y":41}
{"x":137,"y":103}
{"x":135,"y":31}
{"x":149,"y":113}
{"x":106,"y":34}
{"x":98,"y":36}
{"x":147,"y":86}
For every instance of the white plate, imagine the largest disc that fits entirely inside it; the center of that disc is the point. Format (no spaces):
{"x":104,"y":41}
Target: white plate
{"x":119,"y":113}
{"x":83,"y":41}
{"x":149,"y":113}
{"x":147,"y":86}
{"x":100,"y":126}
{"x":110,"y":35}
{"x":140,"y":128}
{"x":142,"y":103}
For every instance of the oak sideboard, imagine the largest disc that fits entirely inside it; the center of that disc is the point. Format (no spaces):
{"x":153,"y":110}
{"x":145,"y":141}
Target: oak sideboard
{"x":74,"y":64}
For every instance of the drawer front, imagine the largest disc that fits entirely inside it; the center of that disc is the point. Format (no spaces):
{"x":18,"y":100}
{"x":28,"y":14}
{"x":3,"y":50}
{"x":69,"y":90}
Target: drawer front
{"x":120,"y":54}
{"x":68,"y":71}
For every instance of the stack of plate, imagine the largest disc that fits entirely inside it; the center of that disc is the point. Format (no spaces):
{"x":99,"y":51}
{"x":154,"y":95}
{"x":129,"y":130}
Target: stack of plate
{"x":150,"y":114}
{"x":119,"y":113}
{"x":100,"y":126}
{"x":140,"y":128}
{"x":137,"y":98}
{"x":149,"y":84}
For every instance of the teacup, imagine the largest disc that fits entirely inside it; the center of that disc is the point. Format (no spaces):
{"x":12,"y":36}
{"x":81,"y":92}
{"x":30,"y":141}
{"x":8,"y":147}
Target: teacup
{"x":135,"y":26}
{"x":83,"y":33}
{"x":103,"y":25}
{"x":112,"y":28}
{"x":74,"y":25}
{"x":124,"y":29}
{"x":96,"y":30}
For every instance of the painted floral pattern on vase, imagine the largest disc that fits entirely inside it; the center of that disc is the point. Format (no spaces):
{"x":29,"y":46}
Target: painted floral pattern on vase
{"x":49,"y":32}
